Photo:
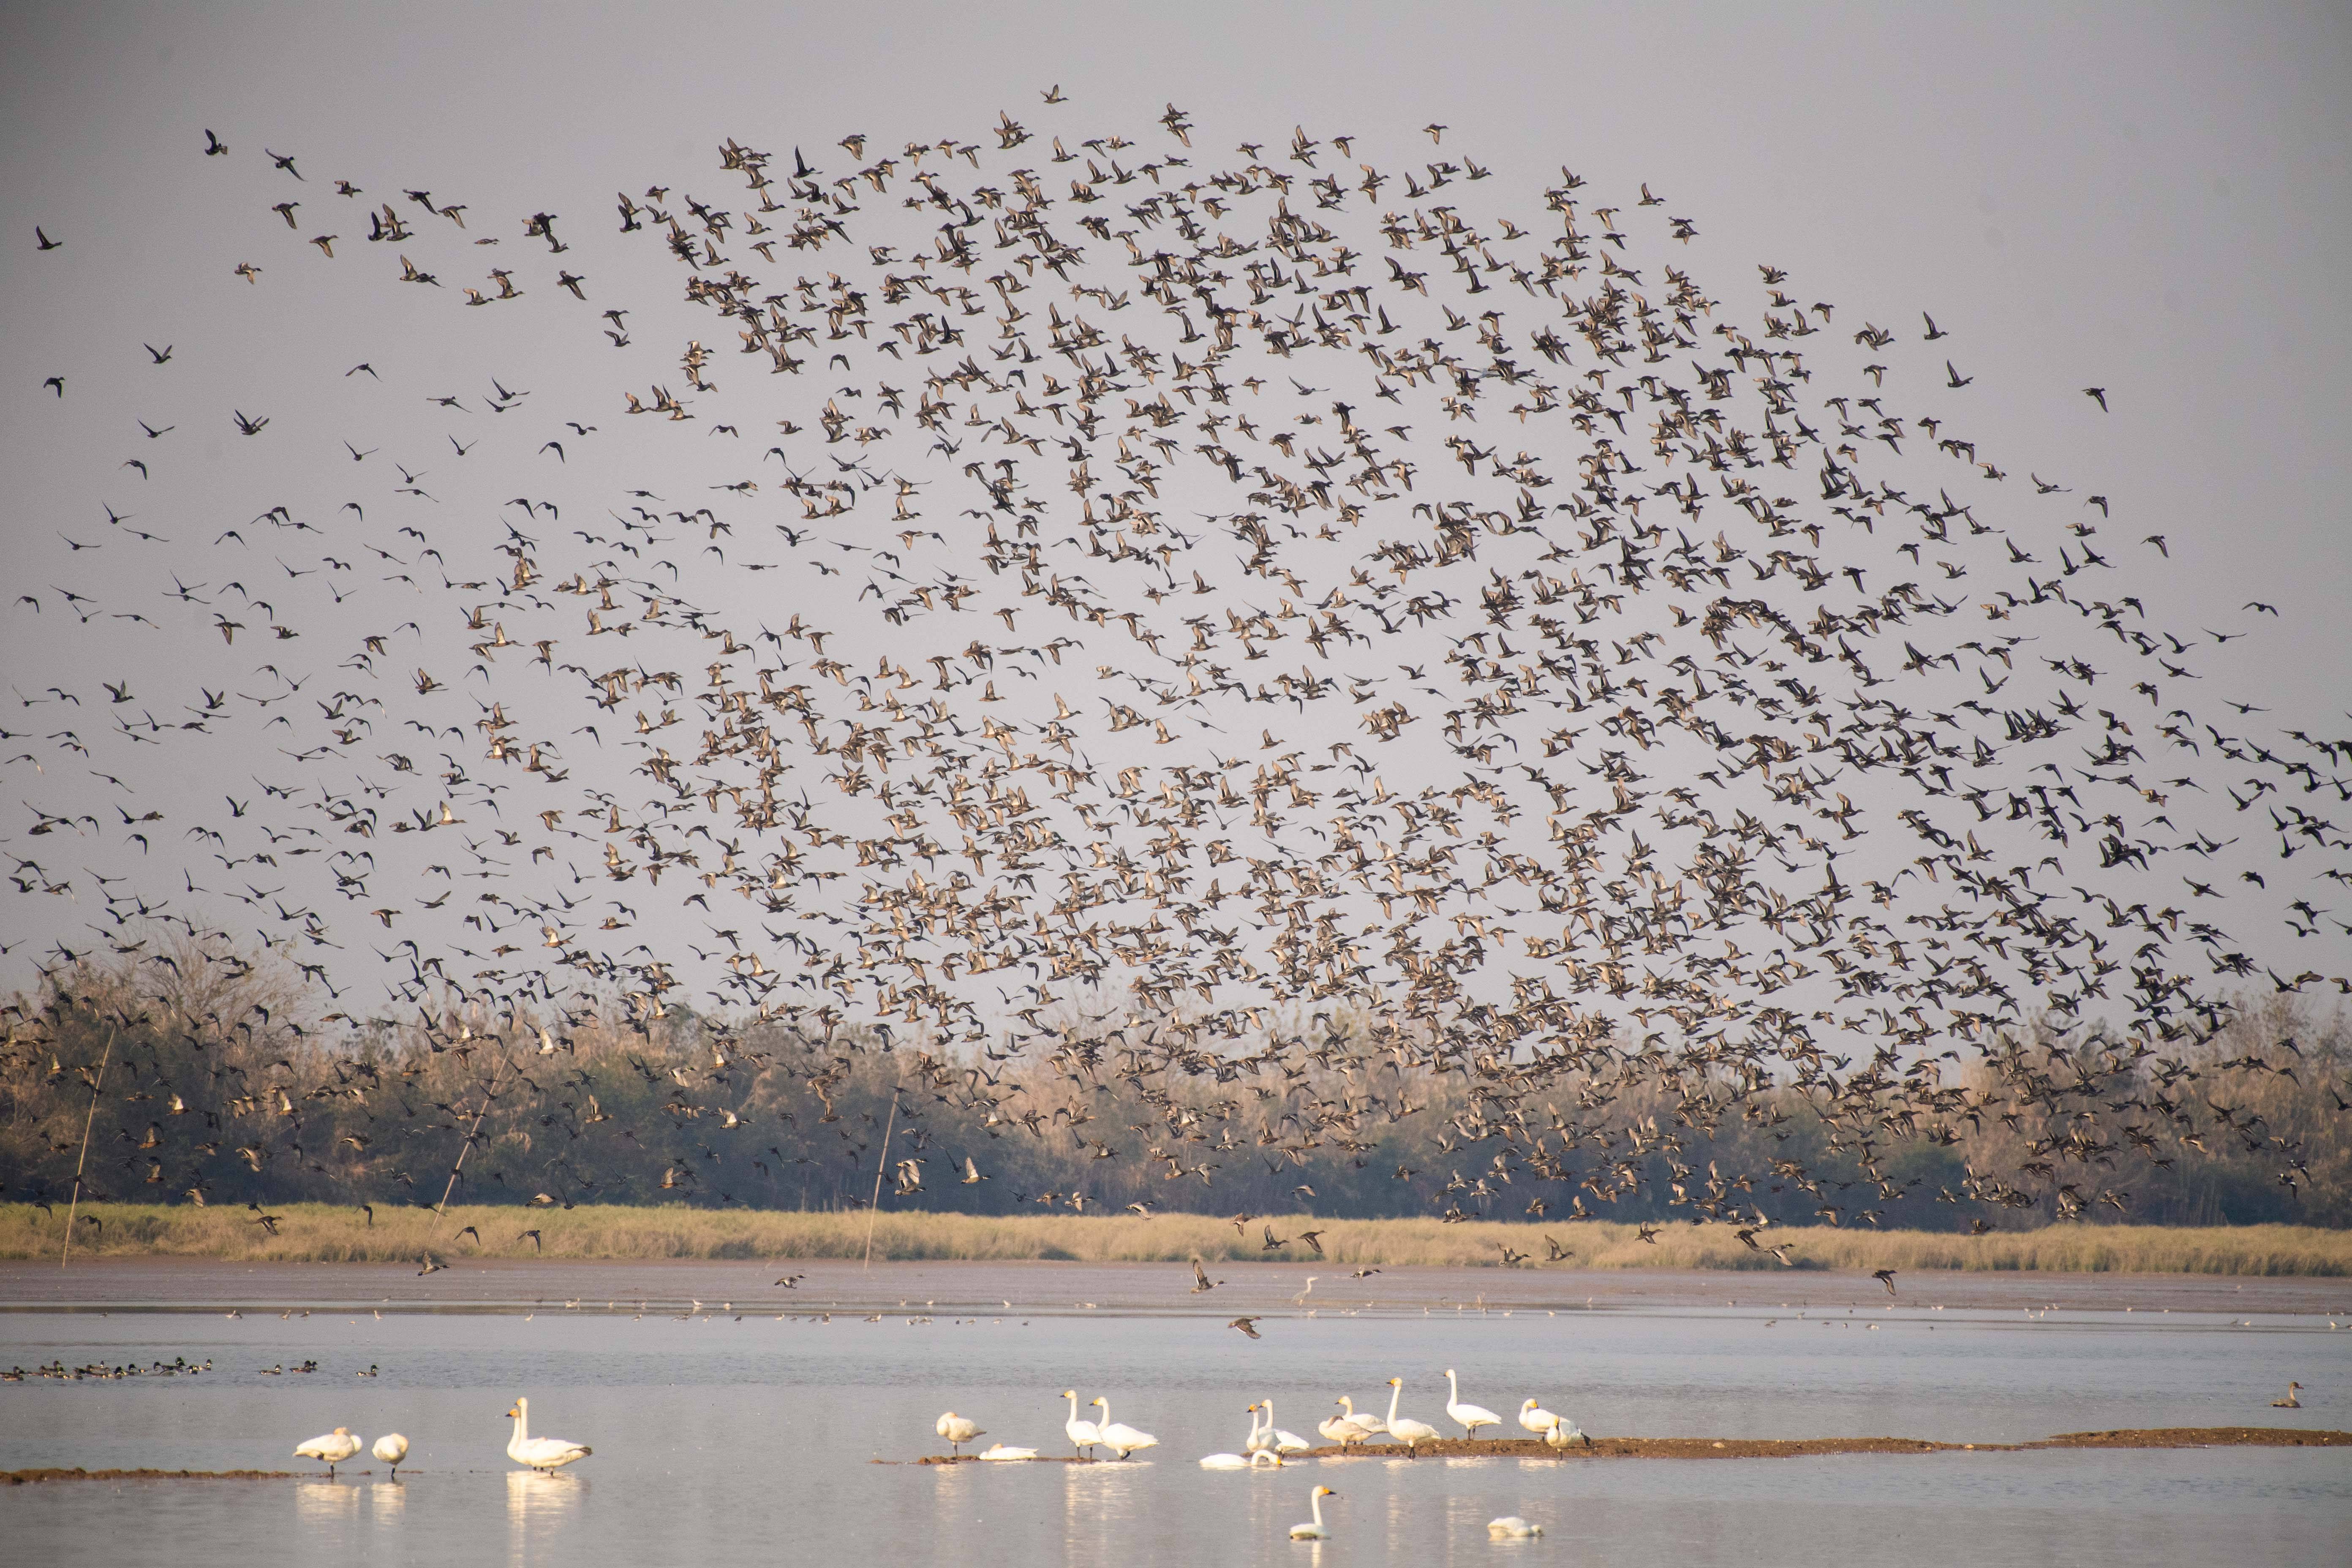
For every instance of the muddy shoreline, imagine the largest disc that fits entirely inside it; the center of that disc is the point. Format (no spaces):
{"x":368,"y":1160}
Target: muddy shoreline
{"x":1047,"y":1289}
{"x":1770,"y":1447}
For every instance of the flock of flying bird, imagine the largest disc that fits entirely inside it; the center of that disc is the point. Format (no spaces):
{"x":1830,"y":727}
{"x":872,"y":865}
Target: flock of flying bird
{"x":1610,"y":626}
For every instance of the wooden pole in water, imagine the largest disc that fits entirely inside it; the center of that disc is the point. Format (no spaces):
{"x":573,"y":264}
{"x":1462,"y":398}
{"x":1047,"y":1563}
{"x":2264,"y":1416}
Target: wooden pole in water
{"x":880,"y":1165}
{"x":74,"y":1208}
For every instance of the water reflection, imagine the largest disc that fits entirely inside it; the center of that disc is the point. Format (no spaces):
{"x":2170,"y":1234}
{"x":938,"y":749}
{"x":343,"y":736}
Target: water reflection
{"x":326,"y":1502}
{"x":387,"y":1499}
{"x":538,"y":1507}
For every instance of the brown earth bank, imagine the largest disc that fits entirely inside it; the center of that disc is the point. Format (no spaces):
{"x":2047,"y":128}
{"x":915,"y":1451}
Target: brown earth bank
{"x":1800,"y":1448}
{"x":1777,"y":1448}
{"x":26,"y":1477}
{"x":1033,"y":1286}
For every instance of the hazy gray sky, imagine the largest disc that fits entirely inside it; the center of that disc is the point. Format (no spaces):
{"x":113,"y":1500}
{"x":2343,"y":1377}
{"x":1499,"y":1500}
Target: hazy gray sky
{"x":2156,"y":201}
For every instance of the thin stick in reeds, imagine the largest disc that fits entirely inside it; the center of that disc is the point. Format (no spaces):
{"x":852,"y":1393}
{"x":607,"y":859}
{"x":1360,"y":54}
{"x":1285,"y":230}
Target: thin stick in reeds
{"x":881,"y":1165}
{"x":74,"y":1208}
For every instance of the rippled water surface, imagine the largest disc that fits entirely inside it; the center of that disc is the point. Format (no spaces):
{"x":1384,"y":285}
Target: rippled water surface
{"x":735,"y":1432}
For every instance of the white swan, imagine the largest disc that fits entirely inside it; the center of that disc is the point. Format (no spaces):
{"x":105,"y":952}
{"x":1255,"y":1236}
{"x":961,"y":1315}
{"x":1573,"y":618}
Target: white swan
{"x":1259,"y":1438}
{"x":334,"y":1449}
{"x":1343,"y":1429}
{"x":1247,"y":1460}
{"x":1470,"y":1416}
{"x":1511,"y":1526}
{"x":1119,"y":1437}
{"x":998,"y":1451}
{"x":958,"y":1430}
{"x":391,"y":1449}
{"x":1404,"y":1428}
{"x":1562,"y":1432}
{"x":1084,"y":1434}
{"x":1312,"y":1529}
{"x":1369,"y":1420}
{"x":539,"y":1453}
{"x":1536,"y":1418}
{"x":1282,"y":1442}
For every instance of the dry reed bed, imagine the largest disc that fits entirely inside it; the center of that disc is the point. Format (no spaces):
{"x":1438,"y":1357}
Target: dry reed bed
{"x":321,"y":1233}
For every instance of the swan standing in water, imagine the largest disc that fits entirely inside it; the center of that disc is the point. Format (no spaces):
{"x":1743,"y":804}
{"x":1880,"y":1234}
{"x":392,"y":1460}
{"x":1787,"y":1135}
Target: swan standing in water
{"x":391,"y":1449}
{"x":1282,"y":1442}
{"x":334,"y":1449}
{"x":1250,"y":1455}
{"x":539,"y":1453}
{"x":1404,"y":1428}
{"x":1470,"y":1416}
{"x":1312,"y":1529}
{"x":958,"y":1430}
{"x":1084,"y":1434}
{"x":1511,"y":1527}
{"x":1119,"y":1436}
{"x":1536,"y":1418}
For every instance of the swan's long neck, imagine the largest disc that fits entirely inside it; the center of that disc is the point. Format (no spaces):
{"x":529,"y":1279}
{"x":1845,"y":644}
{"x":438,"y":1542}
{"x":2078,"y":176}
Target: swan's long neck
{"x":1074,"y":1405}
{"x":522,"y":1420}
{"x":1453,"y":1390}
{"x":1267,"y":1405}
{"x":1349,"y":1406}
{"x":1104,"y":1424}
{"x":1396,"y":1392}
{"x":1317,"y":1501}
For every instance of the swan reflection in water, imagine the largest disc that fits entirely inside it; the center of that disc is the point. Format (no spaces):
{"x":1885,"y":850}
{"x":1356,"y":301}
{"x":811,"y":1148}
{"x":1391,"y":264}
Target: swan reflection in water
{"x":325,"y":1502}
{"x":538,"y":1505}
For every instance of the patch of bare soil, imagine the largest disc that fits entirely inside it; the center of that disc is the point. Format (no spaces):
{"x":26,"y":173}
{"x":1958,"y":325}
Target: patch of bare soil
{"x":25,"y":1477}
{"x":1802,"y":1447}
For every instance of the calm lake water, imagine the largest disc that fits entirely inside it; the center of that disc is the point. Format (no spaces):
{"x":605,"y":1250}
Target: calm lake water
{"x":725,"y":1436}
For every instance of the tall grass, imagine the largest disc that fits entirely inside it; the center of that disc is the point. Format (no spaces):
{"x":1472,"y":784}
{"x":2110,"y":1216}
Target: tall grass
{"x":322,"y":1233}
